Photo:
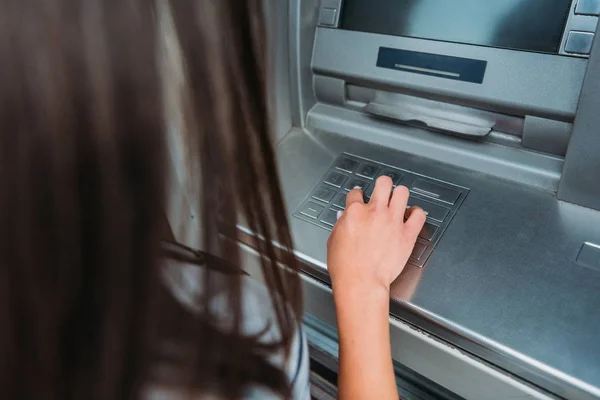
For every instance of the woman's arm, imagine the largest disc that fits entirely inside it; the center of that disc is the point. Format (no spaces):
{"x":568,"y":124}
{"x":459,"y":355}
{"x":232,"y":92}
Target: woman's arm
{"x":367,"y":250}
{"x":366,"y":370}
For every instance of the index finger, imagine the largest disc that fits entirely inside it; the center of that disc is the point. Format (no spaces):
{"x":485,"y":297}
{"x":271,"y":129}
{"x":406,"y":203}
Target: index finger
{"x":354,"y":196}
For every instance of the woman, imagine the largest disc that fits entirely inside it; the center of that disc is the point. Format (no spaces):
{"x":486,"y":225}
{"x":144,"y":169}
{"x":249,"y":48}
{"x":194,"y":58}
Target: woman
{"x":91,"y":306}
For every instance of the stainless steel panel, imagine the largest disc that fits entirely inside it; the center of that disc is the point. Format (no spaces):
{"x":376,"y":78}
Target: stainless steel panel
{"x":502,"y":283}
{"x":303,"y":18}
{"x":279,"y":66}
{"x":546,"y":135}
{"x":512,"y":164}
{"x":425,"y":354}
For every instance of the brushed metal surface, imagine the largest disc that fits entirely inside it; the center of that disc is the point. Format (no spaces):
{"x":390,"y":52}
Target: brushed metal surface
{"x":502,"y":283}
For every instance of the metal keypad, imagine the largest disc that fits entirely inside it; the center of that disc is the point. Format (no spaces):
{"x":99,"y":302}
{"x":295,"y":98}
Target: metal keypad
{"x":441,"y":200}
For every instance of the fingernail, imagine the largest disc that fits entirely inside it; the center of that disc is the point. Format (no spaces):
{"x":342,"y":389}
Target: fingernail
{"x":339,"y":214}
{"x":357,"y":187}
{"x":426,"y":213}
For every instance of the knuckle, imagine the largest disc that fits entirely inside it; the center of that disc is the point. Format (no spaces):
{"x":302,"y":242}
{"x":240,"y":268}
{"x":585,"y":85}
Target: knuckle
{"x":353,"y":208}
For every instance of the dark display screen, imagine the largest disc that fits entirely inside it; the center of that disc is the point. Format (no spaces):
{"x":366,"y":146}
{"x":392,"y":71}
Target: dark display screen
{"x":529,"y":25}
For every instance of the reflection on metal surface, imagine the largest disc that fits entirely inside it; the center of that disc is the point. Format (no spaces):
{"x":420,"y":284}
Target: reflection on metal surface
{"x":405,"y":285}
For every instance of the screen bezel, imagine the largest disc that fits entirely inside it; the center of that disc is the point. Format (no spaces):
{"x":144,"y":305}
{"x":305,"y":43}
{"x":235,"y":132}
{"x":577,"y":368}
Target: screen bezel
{"x":564,"y":17}
{"x":515,"y":82}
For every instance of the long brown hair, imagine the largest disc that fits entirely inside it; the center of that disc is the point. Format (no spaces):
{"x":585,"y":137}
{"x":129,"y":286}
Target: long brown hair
{"x":84,"y":312}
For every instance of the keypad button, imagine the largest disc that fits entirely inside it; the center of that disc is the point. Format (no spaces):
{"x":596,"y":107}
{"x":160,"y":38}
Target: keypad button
{"x":340,"y":200}
{"x":327,"y":16}
{"x":324,"y":194}
{"x":588,"y":7}
{"x":347,"y":164}
{"x":368,"y":171}
{"x":428,"y":231}
{"x":336,"y":179}
{"x":352,"y":183}
{"x":435,"y":191}
{"x":434,"y":211}
{"x":579,"y":42}
{"x":329,"y":217}
{"x":394,"y":175}
{"x":418,"y":251}
{"x":311,"y":210}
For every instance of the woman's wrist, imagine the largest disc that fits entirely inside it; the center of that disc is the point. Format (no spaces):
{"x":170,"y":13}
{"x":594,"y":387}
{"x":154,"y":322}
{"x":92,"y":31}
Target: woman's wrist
{"x":362,"y":295}
{"x":366,"y":285}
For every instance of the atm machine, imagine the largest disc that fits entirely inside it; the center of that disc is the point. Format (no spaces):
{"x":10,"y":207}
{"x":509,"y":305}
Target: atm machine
{"x":489,"y":111}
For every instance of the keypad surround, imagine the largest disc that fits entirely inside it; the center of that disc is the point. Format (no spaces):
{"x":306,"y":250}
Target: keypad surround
{"x":441,"y":200}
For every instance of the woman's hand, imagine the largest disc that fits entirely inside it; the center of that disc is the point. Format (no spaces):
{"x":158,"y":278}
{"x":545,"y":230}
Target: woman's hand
{"x":367,"y":250}
{"x":371,"y":243}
